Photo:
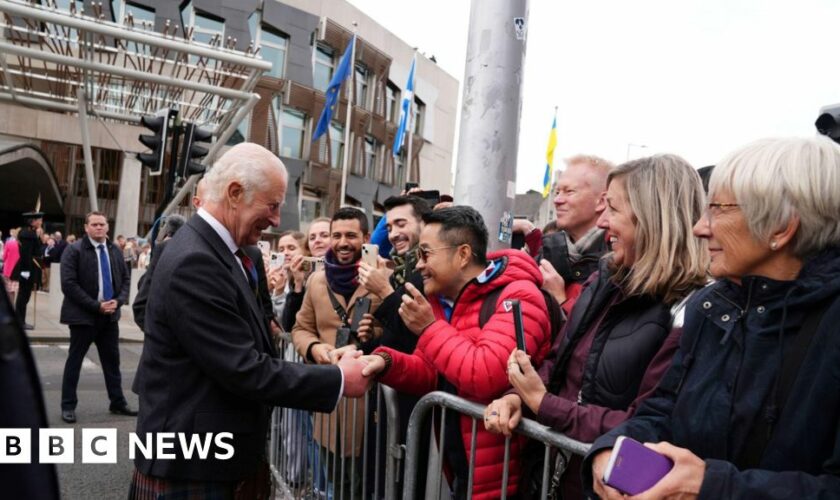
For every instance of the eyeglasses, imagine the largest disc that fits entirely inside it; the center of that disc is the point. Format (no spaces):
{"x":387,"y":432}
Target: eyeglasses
{"x":715,"y":209}
{"x":423,"y":253}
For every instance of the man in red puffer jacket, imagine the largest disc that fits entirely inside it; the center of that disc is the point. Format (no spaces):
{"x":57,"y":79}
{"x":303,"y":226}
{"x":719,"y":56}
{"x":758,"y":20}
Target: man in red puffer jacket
{"x":454,"y":353}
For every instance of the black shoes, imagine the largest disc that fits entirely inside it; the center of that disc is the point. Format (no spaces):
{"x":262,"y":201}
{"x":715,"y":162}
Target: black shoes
{"x":68,"y":416}
{"x":123,"y":410}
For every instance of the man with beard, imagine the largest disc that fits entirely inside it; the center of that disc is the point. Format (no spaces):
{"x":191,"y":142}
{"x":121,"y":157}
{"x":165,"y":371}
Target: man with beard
{"x":328,"y":306}
{"x":568,"y":256}
{"x":404,"y":216}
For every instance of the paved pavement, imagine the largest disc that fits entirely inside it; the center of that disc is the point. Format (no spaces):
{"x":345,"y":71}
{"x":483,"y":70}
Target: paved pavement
{"x":50,"y":342}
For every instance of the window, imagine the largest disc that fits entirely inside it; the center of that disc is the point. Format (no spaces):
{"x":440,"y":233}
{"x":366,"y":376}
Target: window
{"x":293,"y":131}
{"x":241,"y":132}
{"x":360,"y":92}
{"x":143,"y":17}
{"x":399,"y":169}
{"x":323,"y":67}
{"x":274,"y":48}
{"x":311,"y":207}
{"x":108,"y":178}
{"x":336,"y":145}
{"x":419,"y":113}
{"x":369,"y":158}
{"x":392,"y":103}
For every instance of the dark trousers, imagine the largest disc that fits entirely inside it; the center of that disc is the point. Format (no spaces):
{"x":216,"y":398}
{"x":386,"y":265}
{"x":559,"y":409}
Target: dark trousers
{"x":105,"y":334}
{"x":24,"y":293}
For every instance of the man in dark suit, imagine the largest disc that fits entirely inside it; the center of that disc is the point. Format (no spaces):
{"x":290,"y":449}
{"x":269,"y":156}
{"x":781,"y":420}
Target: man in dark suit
{"x":95,"y":283}
{"x":208,"y":363}
{"x":27,"y":272}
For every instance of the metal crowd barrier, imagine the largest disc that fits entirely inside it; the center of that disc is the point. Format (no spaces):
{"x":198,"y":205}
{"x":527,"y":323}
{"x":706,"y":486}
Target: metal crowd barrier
{"x":444,"y":400}
{"x":302,"y":468}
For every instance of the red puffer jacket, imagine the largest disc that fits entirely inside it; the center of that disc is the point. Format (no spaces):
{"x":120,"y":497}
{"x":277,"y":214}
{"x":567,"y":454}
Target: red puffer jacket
{"x":474,"y":359}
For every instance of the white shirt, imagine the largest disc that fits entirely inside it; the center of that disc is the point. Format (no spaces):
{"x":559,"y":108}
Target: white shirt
{"x":225,"y":235}
{"x":96,"y":245}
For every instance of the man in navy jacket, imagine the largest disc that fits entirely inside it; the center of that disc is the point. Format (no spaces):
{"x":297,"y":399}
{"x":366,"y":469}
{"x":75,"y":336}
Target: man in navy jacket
{"x":95,"y":283}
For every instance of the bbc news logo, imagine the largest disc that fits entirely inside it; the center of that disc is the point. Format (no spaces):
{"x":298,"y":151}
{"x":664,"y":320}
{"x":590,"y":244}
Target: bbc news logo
{"x":99,"y":446}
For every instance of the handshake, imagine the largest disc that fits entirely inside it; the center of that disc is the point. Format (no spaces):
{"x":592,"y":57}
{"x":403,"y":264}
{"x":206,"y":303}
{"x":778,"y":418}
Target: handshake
{"x":359,"y":371}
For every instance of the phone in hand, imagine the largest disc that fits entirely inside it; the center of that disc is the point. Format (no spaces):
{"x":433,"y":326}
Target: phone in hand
{"x":514,"y":306}
{"x":265,"y":246}
{"x":410,"y":185}
{"x":369,"y":254}
{"x":432,"y":197}
{"x":634,"y":468}
{"x":276,"y":260}
{"x":361,"y":307}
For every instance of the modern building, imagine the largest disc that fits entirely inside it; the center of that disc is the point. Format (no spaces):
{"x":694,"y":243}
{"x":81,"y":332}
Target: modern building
{"x":77,"y":73}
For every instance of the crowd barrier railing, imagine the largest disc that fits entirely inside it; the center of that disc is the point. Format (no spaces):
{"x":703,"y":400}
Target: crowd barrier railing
{"x":445,"y":401}
{"x":332,"y":456}
{"x":306,"y":467}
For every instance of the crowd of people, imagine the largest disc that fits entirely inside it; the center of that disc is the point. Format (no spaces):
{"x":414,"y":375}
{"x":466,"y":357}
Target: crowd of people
{"x":690,"y":311}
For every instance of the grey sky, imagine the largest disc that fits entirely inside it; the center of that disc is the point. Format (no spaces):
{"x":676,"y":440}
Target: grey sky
{"x":695,"y":78}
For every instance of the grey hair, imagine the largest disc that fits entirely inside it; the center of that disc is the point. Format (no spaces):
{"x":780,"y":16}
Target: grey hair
{"x":246,"y":163}
{"x":777,"y":180}
{"x":666,"y":196}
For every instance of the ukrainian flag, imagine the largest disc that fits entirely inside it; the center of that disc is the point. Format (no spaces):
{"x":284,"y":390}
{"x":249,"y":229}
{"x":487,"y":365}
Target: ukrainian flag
{"x":549,"y":156}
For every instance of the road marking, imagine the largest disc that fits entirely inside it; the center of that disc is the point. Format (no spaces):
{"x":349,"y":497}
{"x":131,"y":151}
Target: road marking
{"x":87,"y":364}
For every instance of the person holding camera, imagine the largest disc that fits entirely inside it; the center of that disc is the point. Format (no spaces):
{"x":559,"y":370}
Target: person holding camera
{"x":459,"y":350}
{"x":324,"y":324}
{"x":622,"y":333}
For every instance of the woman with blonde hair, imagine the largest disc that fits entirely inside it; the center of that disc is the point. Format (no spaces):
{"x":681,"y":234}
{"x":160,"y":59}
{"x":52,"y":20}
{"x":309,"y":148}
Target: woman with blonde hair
{"x":749,"y":407}
{"x":625,"y":326}
{"x":317,"y":243}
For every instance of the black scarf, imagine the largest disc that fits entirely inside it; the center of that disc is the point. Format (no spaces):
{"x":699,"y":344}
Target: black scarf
{"x":343,"y":279}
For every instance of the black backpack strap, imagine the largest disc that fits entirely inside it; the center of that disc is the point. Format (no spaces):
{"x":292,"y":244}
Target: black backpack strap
{"x":337,"y":307}
{"x":793,"y":357}
{"x":488,"y":307}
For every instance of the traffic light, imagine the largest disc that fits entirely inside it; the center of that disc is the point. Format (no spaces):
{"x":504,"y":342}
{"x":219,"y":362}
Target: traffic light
{"x":193,"y":150}
{"x":157,"y":143}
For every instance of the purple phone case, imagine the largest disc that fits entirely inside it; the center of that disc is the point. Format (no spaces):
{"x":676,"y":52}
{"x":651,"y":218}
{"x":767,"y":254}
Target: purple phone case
{"x":637,"y":468}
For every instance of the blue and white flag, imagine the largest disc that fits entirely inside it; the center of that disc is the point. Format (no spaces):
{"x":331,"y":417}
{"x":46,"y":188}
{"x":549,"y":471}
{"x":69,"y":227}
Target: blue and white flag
{"x":405,"y":106}
{"x":344,"y":70}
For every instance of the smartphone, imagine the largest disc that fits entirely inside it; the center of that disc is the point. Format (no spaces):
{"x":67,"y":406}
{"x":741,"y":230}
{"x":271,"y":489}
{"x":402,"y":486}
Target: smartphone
{"x":516,"y":307}
{"x":276,"y":260}
{"x":361,"y":307}
{"x":410,"y":185}
{"x":369,"y":254}
{"x":311,"y":263}
{"x":431,"y":197}
{"x":265,"y":246}
{"x":634,"y":468}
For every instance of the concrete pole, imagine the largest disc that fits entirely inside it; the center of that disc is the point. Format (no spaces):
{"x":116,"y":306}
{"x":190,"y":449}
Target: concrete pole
{"x":485,"y":177}
{"x":128,"y":210}
{"x":86,"y":151}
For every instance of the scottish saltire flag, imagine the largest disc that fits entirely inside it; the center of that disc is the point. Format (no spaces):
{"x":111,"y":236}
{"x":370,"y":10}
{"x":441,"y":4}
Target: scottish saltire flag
{"x":405,"y":106}
{"x":344,"y":70}
{"x":549,"y":157}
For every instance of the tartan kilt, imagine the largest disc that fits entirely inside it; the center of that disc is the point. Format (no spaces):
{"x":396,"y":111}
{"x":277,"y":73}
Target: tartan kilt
{"x":145,"y":487}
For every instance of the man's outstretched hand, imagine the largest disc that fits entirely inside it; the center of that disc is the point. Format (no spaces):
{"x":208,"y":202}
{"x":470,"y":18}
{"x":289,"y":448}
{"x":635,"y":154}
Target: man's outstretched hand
{"x":355,"y":384}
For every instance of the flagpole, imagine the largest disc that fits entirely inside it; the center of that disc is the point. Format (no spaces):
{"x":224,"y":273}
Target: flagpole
{"x":351,"y":90}
{"x":409,"y":120}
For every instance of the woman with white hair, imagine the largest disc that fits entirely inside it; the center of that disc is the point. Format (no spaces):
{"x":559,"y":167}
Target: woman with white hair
{"x":750,"y":407}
